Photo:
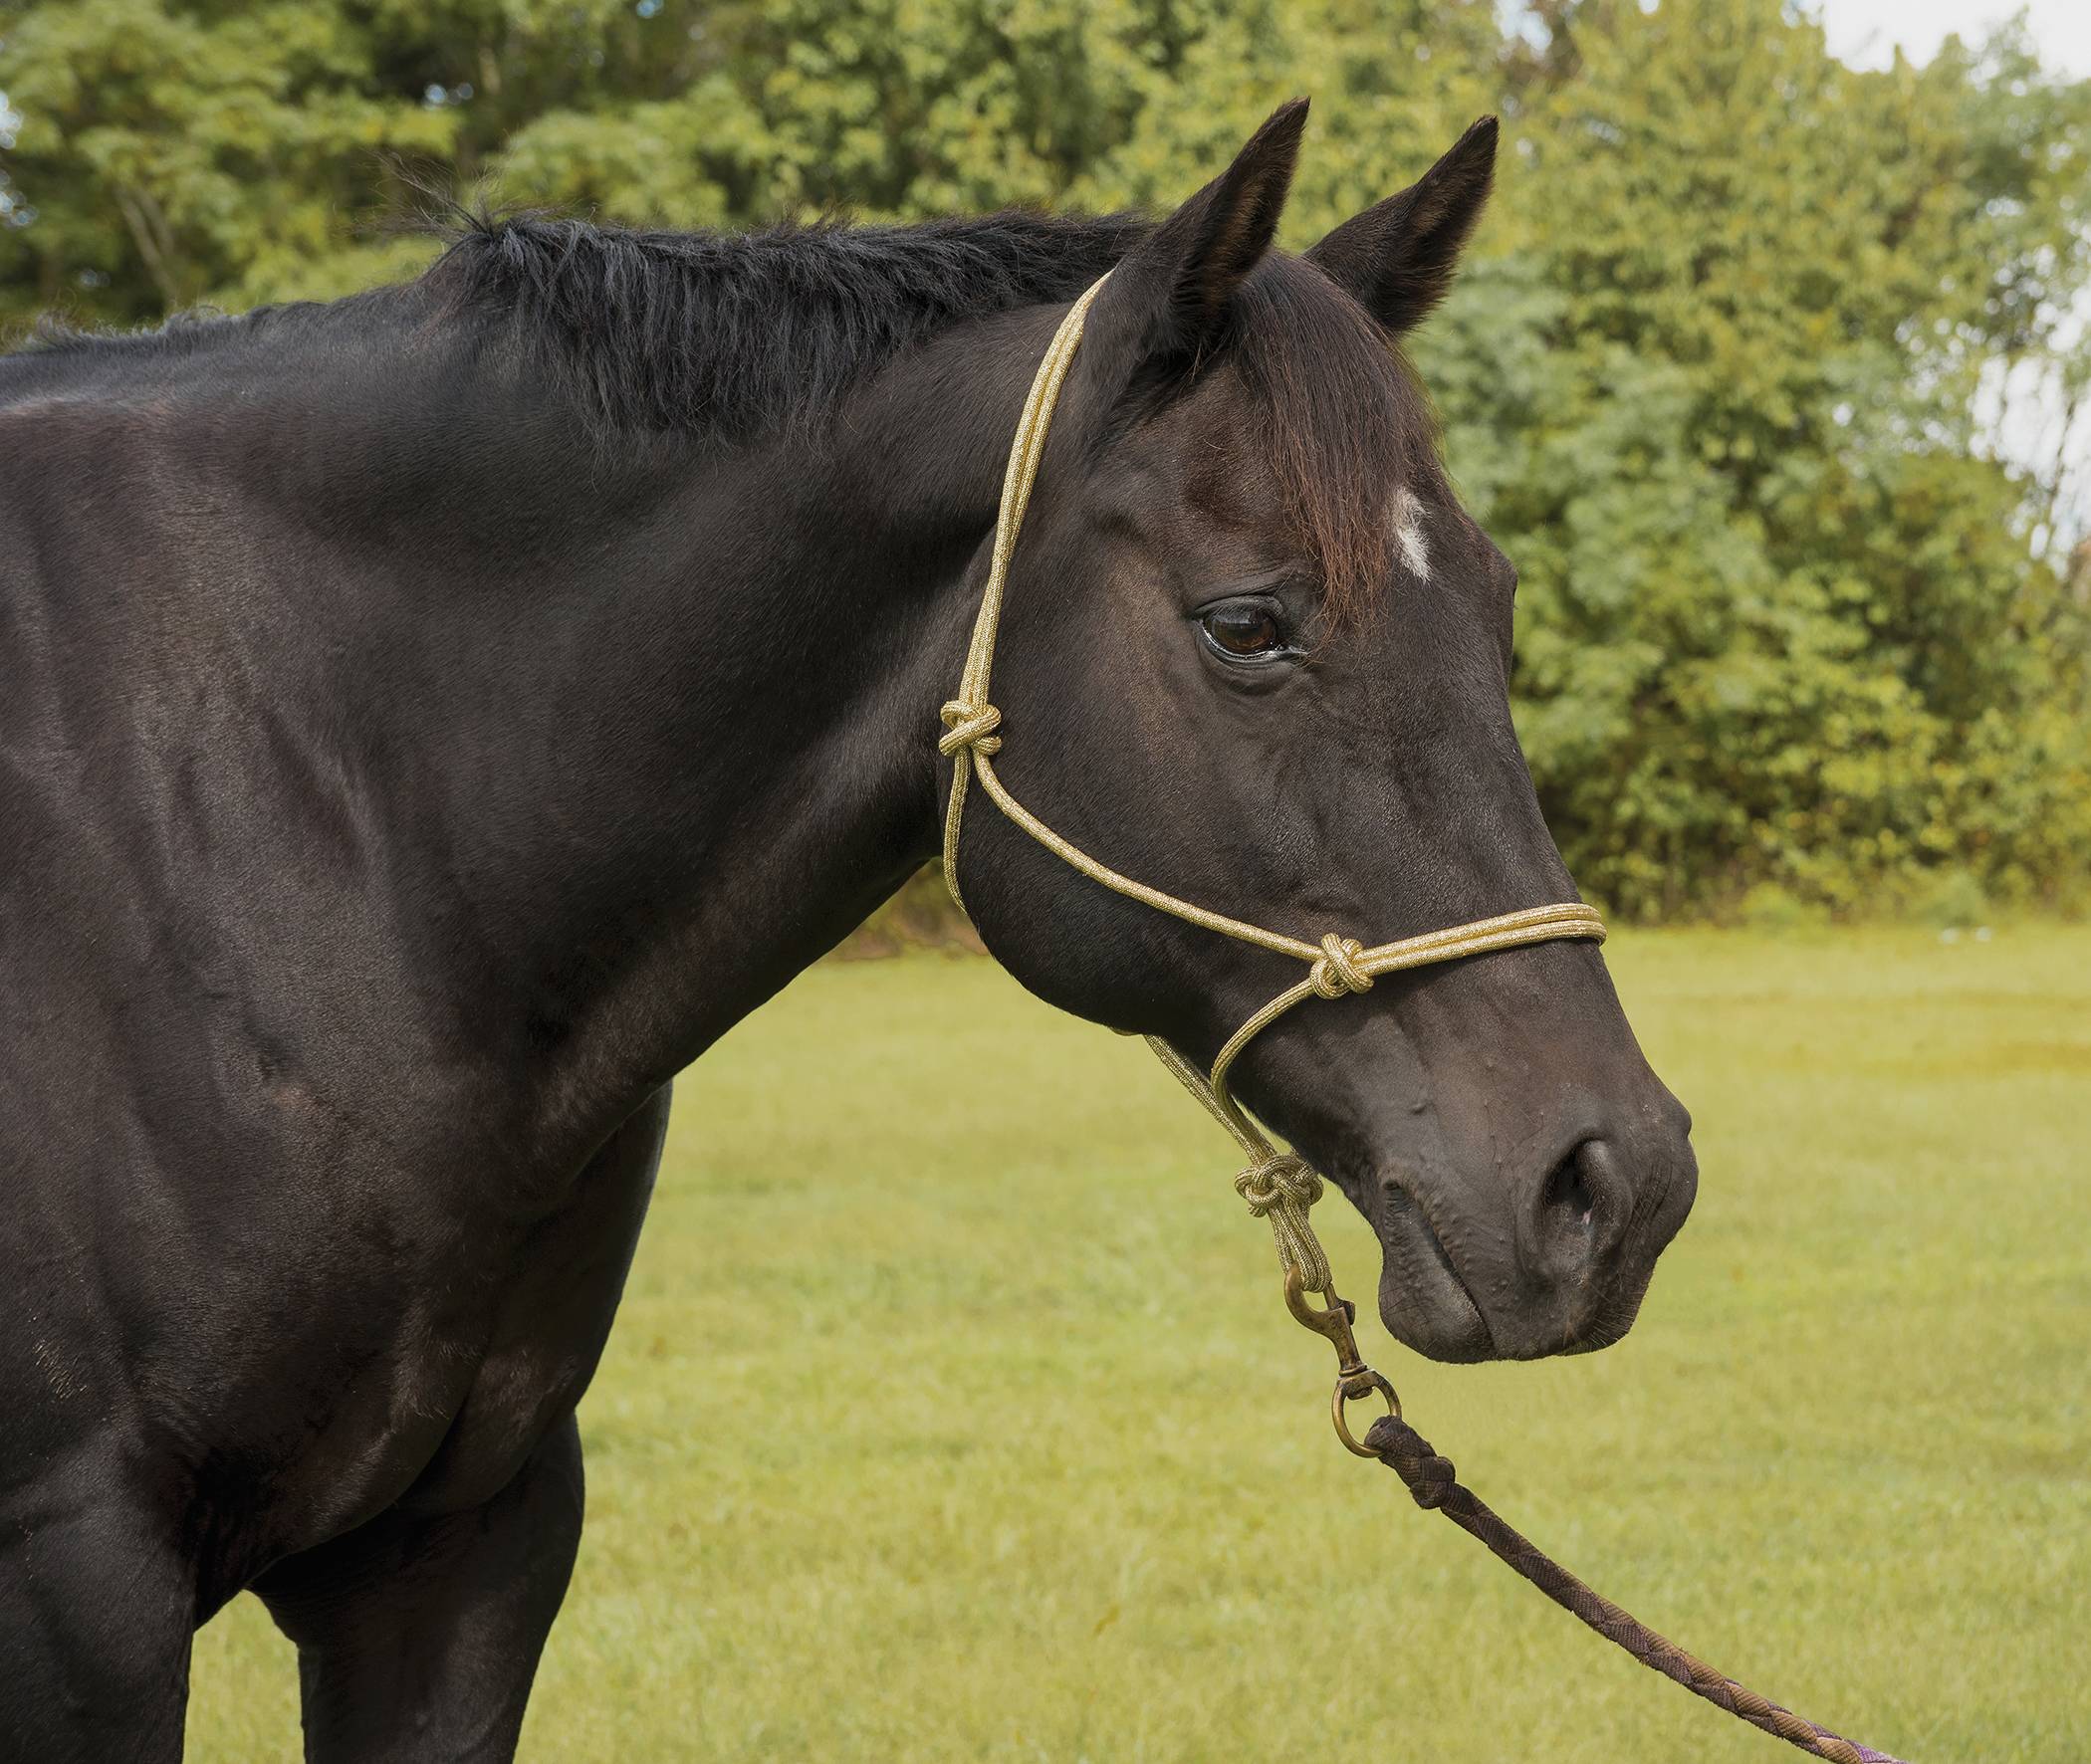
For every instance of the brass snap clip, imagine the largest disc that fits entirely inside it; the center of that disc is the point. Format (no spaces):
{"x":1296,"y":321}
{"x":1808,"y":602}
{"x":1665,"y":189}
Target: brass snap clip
{"x":1354,"y":1378}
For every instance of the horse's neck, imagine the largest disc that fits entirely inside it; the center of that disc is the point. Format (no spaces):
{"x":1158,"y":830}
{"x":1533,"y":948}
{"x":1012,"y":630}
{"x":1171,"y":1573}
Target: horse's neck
{"x":720,"y":708}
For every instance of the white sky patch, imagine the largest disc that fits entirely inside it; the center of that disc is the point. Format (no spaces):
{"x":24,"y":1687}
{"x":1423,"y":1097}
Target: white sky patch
{"x":2025,"y":409}
{"x":1408,"y":532}
{"x":1866,"y":33}
{"x":2026,"y":416}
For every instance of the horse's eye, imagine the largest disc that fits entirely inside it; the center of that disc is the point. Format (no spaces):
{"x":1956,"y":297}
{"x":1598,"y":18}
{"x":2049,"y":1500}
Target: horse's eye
{"x":1244,"y":630}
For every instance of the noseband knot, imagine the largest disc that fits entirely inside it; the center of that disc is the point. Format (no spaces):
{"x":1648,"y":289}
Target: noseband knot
{"x":1338,"y":971}
{"x":969,"y":726}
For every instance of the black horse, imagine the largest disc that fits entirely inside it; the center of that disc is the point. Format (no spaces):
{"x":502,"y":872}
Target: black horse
{"x":428,"y":721}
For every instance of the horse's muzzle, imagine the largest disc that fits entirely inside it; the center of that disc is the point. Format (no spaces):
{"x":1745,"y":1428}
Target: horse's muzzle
{"x":1557,"y":1263}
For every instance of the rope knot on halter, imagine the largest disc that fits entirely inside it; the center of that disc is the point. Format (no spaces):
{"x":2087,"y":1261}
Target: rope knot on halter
{"x":1286,"y":1179}
{"x":969,"y":726}
{"x":1338,"y":971}
{"x":1281,"y":1188}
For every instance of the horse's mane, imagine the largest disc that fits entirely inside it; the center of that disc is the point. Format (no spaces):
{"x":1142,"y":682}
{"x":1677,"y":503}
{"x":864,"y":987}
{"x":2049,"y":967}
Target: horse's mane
{"x":723,"y":338}
{"x":728,"y":336}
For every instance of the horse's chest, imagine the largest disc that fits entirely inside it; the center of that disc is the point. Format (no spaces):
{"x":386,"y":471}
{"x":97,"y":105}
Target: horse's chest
{"x":481,"y":1355}
{"x":552,"y":1310}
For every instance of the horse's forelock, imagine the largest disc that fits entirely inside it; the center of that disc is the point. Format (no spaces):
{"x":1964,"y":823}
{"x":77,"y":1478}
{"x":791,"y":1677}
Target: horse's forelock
{"x":1350,"y":425}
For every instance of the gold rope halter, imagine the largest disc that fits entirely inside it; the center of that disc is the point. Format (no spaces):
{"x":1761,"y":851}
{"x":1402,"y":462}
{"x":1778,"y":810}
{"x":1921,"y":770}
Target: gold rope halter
{"x":1278,"y":1186}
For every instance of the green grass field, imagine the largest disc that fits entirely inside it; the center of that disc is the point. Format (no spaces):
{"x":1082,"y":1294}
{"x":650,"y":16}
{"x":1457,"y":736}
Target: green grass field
{"x":941,"y":1424}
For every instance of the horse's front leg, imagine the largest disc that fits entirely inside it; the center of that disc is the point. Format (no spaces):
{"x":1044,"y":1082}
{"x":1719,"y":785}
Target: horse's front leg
{"x":96,"y":1607}
{"x":418,"y":1636}
{"x":418,"y":1633}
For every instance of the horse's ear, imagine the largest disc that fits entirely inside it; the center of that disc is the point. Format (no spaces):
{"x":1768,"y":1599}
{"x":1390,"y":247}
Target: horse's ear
{"x":1397,"y":258}
{"x":1167,"y":304}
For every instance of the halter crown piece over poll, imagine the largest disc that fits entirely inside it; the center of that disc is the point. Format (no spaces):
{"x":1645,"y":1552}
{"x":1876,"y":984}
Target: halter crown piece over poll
{"x":1280,"y":1186}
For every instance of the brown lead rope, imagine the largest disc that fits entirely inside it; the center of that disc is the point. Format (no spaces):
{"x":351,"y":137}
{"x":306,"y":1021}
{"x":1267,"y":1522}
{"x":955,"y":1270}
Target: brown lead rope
{"x":1434,"y":1483}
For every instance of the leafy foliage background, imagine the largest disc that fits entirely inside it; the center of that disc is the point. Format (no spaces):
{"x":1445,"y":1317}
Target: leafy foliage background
{"x":1790,"y":639}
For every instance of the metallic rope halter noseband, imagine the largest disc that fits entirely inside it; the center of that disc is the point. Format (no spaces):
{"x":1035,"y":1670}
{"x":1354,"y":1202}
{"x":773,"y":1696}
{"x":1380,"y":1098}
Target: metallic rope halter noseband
{"x":1277,"y":1186}
{"x":1280,"y":1186}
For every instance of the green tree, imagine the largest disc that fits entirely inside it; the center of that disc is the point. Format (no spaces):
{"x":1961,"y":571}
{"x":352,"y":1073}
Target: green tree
{"x":230,"y":153}
{"x":1717,"y":393}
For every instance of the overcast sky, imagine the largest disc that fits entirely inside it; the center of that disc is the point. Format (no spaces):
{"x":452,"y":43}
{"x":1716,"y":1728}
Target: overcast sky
{"x":1865,"y":33}
{"x":2023,"y":416}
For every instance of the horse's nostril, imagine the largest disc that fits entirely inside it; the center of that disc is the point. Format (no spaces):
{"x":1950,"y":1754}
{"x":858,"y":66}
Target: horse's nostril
{"x":1585,"y":1207}
{"x":1567,"y":1202}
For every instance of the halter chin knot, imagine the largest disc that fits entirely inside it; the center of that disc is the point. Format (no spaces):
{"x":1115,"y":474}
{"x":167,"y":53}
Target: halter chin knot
{"x":1278,"y":1180}
{"x":1338,"y":971}
{"x":969,"y":726}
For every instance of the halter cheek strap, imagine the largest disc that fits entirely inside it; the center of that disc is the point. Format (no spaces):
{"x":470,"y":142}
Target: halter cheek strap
{"x":1278,"y":1186}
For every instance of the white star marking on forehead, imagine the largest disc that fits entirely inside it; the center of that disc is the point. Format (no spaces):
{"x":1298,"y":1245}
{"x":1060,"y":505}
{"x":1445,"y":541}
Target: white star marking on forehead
{"x":1408,"y":532}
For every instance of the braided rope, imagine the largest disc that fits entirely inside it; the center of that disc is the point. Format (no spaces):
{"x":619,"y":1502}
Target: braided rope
{"x":1433,"y":1482}
{"x":1281,"y":1188}
{"x":1341,"y":967}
